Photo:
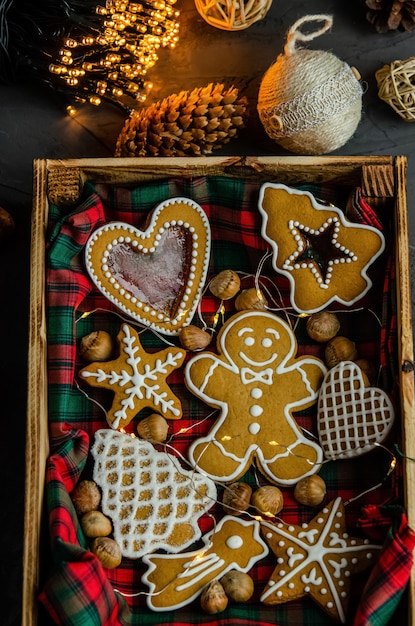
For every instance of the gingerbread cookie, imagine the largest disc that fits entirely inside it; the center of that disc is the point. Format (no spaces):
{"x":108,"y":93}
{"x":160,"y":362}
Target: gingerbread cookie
{"x":352,"y":418}
{"x":176,"y":580}
{"x":156,"y":275}
{"x":152,"y":501}
{"x":257,"y":383}
{"x":137,"y":378}
{"x":324,"y":256}
{"x":316,"y":559}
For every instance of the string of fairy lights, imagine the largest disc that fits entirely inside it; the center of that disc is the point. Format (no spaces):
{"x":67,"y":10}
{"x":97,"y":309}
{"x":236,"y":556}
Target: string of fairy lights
{"x":90,"y":52}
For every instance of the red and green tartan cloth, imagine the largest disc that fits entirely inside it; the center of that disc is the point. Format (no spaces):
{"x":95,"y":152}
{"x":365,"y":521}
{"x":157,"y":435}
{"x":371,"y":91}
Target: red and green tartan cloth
{"x":76,"y":590}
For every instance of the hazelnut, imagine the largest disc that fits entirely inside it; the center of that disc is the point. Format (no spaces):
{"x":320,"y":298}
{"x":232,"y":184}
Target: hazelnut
{"x":86,"y":497}
{"x":310,"y":490}
{"x":236,"y":498}
{"x":96,"y":346}
{"x":194,"y":338}
{"x":339,"y":349}
{"x":153,"y":428}
{"x":251,"y":299}
{"x":368,"y":369}
{"x":238,"y":586}
{"x":213,"y":598}
{"x":268,"y":500}
{"x":108,"y":551}
{"x":7,"y":225}
{"x":96,"y":524}
{"x":322,"y":326}
{"x":225,"y":285}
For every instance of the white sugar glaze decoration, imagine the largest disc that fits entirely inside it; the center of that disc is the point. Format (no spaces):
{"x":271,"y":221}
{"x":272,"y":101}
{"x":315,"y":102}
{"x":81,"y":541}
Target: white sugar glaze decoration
{"x":351,"y":418}
{"x":147,"y":495}
{"x":317,"y":561}
{"x":258,"y":383}
{"x":325,"y":256}
{"x":156,"y":275}
{"x":341,"y":254}
{"x":176,"y":580}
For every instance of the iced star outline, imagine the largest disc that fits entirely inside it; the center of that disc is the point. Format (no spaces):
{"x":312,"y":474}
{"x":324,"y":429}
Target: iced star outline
{"x":307,"y":252}
{"x":303,"y":554}
{"x":137,"y":378}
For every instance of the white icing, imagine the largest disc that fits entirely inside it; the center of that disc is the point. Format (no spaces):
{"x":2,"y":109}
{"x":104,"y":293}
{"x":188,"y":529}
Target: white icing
{"x":156,"y":489}
{"x":363,"y":416}
{"x":235,"y":542}
{"x":307,"y":556}
{"x":254,"y":428}
{"x":251,"y":372}
{"x":154,"y":235}
{"x":141,"y":383}
{"x":256,"y":393}
{"x":255,"y":410}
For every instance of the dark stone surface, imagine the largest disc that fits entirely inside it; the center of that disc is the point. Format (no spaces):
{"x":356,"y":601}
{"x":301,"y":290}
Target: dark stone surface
{"x":33,"y":124}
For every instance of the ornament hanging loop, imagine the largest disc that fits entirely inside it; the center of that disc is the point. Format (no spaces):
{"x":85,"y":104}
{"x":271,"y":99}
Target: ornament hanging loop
{"x":295,"y":34}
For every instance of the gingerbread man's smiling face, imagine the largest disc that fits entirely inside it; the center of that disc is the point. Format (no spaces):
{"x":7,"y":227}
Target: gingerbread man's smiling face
{"x":257,"y":340}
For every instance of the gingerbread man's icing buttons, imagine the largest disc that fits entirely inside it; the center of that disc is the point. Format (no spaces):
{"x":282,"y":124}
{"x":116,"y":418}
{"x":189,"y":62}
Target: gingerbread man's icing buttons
{"x":325,"y":257}
{"x":257,"y":383}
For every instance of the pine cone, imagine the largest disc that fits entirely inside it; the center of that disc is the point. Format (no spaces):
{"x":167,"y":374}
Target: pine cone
{"x":185,"y":124}
{"x":388,"y":15}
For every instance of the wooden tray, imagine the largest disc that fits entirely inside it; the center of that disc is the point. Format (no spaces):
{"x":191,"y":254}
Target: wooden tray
{"x":382,"y":180}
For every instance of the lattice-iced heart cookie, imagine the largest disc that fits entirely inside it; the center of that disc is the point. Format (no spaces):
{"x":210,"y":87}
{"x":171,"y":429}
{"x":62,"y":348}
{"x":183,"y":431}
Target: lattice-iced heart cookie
{"x":352,"y":418}
{"x":324,"y":256}
{"x":156,"y":275}
{"x":153,"y":502}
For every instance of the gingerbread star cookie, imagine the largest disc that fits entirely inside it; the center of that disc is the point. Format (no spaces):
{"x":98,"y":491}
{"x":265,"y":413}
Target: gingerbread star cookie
{"x":324,"y":256}
{"x":351,"y":418}
{"x":316,"y":559}
{"x":155,"y":275}
{"x":257,"y":382}
{"x":137,"y":378}
{"x":176,"y":580}
{"x":152,"y":501}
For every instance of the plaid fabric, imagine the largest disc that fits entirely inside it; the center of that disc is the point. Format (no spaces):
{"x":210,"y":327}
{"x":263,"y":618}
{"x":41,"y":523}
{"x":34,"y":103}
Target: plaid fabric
{"x":390,"y":575}
{"x":78,"y":590}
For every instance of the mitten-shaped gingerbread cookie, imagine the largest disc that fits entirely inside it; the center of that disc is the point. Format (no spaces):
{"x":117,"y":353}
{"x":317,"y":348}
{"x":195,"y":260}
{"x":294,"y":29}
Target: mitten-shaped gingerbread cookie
{"x":257,"y":383}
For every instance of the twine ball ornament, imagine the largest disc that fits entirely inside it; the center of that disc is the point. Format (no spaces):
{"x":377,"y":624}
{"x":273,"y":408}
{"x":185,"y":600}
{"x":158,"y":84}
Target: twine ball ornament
{"x":309,"y":101}
{"x":232,"y":14}
{"x":396,"y":87}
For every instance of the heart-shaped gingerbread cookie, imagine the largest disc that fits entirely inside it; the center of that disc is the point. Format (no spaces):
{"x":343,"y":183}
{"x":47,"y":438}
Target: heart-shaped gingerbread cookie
{"x":155,"y":275}
{"x":352,"y":418}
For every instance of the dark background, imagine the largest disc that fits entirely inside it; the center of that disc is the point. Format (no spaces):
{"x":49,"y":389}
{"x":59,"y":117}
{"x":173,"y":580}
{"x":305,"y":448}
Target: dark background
{"x":33,"y":124}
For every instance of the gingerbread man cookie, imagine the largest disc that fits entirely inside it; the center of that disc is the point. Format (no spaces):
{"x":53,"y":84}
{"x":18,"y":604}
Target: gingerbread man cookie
{"x":324,"y":256}
{"x":257,"y":383}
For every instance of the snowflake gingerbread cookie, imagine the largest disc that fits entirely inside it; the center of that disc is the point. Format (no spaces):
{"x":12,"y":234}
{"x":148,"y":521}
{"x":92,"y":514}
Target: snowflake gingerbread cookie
{"x":137,"y":378}
{"x":316,"y":560}
{"x":257,"y":383}
{"x":324,"y":256}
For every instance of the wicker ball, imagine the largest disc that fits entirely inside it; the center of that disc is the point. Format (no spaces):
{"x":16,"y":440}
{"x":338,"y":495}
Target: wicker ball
{"x":309,"y":101}
{"x":231,"y":15}
{"x":396,"y":87}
